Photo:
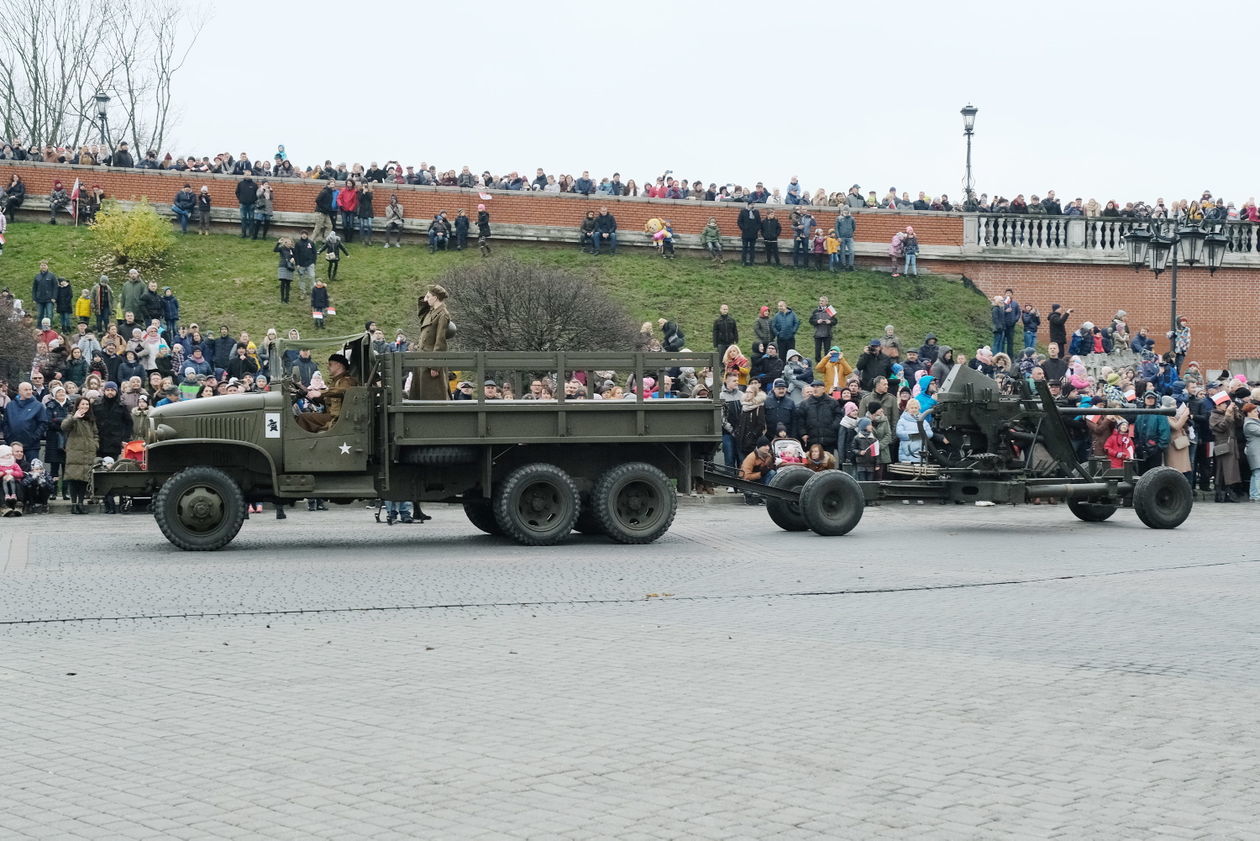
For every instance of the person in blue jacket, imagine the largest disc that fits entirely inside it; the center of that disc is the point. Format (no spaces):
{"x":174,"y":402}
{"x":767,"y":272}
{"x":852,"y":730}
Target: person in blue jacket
{"x":785,"y":323}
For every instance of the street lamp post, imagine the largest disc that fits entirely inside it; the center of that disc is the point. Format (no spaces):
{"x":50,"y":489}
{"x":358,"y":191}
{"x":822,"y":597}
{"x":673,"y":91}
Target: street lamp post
{"x":1155,"y":245}
{"x":969,"y":112}
{"x":102,"y":114}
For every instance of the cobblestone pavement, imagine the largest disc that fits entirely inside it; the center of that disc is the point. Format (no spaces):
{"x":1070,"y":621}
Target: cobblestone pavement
{"x":957,"y":673}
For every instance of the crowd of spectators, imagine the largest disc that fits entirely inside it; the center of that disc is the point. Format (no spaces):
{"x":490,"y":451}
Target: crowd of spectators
{"x":99,"y":368}
{"x":667,"y":185}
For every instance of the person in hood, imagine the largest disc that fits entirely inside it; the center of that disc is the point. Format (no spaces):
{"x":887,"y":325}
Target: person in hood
{"x":928,"y":388}
{"x":929,"y":350}
{"x":798,"y":373}
{"x":762,"y":330}
{"x":944,"y":363}
{"x":711,"y":238}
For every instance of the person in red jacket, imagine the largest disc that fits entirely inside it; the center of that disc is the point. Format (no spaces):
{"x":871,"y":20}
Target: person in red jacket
{"x":348,"y":204}
{"x":1119,"y":446}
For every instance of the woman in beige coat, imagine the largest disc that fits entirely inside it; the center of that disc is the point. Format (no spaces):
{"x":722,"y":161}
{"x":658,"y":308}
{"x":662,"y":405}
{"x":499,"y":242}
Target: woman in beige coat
{"x":1175,"y":457}
{"x":431,"y":383}
{"x":81,"y":440}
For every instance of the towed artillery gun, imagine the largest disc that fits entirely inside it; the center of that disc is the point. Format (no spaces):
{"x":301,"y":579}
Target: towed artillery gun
{"x":988,"y":447}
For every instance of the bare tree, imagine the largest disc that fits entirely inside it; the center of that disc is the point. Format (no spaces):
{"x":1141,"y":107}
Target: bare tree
{"x":17,"y":343}
{"x":55,"y":56}
{"x":512,"y":305}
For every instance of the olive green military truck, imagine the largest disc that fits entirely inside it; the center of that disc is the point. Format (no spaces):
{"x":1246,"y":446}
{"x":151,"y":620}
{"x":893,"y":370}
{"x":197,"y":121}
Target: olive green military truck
{"x":531,"y":470}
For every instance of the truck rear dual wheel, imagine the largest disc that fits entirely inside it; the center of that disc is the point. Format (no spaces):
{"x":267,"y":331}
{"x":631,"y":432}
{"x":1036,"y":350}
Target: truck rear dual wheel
{"x":634,"y":503}
{"x":536,"y":505}
{"x":199,"y":509}
{"x":832,"y":503}
{"x":481,"y":514}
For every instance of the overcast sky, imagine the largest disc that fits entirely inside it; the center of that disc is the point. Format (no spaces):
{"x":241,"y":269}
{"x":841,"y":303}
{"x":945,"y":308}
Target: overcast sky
{"x":1095,"y":99}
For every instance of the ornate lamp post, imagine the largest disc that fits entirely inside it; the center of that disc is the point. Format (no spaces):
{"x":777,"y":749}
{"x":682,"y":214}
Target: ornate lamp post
{"x":1155,"y":245}
{"x":102,"y":113}
{"x":969,"y":112}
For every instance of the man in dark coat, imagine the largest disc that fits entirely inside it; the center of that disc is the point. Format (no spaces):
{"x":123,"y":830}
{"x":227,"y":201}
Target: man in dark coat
{"x":749,"y":223}
{"x":771,"y":228}
{"x":725,"y":330}
{"x":247,"y":196}
{"x":768,"y":367}
{"x":113,"y":422}
{"x":44,"y":292}
{"x":872,"y":363}
{"x":25,"y":420}
{"x":1058,"y":324}
{"x":780,"y":409}
{"x":221,"y":348}
{"x":605,"y":232}
{"x":824,"y":322}
{"x":817,"y":418}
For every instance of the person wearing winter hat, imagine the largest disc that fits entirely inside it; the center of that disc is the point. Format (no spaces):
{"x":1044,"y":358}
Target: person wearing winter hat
{"x":57,"y":200}
{"x":763,"y":330}
{"x":483,"y":230}
{"x":865,"y":450}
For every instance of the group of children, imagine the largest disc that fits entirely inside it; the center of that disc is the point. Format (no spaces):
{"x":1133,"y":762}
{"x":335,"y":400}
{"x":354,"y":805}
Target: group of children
{"x":32,"y":487}
{"x":822,"y":248}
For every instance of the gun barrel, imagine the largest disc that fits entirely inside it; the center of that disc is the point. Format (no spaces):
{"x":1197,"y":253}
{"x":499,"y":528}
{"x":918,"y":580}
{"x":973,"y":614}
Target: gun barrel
{"x":1103,"y":410}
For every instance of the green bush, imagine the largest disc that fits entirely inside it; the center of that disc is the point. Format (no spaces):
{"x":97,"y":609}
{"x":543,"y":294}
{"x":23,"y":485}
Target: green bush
{"x":139,"y":238}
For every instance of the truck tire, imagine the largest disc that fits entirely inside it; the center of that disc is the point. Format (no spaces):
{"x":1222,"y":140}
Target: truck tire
{"x":481,"y":514}
{"x":438,"y":456}
{"x":634,"y":503}
{"x":199,"y":509}
{"x":537,"y":505}
{"x":1163,"y":498}
{"x":587,"y":522}
{"x":787,"y":514}
{"x":832,"y":503}
{"x":1090,"y":512}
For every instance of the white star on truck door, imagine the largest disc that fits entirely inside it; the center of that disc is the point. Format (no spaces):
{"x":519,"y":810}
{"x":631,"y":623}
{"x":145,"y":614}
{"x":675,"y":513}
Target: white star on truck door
{"x":345,"y":448}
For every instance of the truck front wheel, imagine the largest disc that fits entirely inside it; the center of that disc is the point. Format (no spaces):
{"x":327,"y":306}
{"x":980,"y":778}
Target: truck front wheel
{"x":199,"y":509}
{"x":537,"y":505}
{"x":634,"y":503}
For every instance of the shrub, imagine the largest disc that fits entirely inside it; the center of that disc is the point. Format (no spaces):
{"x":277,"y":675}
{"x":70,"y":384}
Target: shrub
{"x":17,"y":345}
{"x":139,"y":238}
{"x":506,"y":304}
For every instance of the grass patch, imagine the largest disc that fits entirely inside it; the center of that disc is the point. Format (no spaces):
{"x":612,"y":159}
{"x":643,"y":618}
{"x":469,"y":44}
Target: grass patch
{"x":222,"y":279}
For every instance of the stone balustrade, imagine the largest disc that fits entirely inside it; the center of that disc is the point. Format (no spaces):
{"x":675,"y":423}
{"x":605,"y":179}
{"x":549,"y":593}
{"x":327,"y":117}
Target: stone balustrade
{"x":1079,"y":238}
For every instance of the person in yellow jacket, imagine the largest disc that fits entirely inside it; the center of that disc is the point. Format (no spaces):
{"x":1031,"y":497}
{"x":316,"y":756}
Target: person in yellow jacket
{"x":831,"y":247}
{"x":833,"y":369}
{"x":83,"y":307}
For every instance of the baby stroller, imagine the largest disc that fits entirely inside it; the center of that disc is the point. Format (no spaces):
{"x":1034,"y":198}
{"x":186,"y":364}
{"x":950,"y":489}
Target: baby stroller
{"x":787,"y":451}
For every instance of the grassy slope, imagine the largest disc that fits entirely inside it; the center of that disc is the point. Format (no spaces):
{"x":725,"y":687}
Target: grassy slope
{"x":222,"y":279}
